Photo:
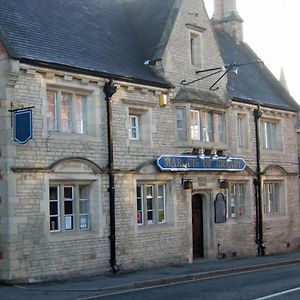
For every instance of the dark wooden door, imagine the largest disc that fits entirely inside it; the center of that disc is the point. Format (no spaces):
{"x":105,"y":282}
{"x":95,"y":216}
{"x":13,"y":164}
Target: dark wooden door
{"x":197,"y":220}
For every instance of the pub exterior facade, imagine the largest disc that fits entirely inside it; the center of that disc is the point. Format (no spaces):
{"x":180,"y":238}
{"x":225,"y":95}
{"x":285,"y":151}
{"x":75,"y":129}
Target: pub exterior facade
{"x":135,"y":161}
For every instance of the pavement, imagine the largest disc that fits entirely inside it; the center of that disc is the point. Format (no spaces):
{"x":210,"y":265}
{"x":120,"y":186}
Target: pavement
{"x":200,"y":269}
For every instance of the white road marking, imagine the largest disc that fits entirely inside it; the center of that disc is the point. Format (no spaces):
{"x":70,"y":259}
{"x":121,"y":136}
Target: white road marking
{"x":279,"y":294}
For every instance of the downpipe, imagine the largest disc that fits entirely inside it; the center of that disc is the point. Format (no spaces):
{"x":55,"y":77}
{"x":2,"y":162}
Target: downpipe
{"x":109,"y":90}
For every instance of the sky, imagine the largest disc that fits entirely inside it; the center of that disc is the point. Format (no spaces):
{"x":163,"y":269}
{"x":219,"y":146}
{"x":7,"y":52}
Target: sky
{"x":271,"y":29}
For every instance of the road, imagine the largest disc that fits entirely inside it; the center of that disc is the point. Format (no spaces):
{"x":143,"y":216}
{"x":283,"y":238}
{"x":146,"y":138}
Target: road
{"x":252,"y":285}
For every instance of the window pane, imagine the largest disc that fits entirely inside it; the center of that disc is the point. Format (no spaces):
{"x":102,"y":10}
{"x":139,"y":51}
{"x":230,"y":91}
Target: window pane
{"x":83,"y":192}
{"x":269,"y":135}
{"x":54,"y":224}
{"x":207,"y":126}
{"x":68,"y":192}
{"x":83,"y":207}
{"x":53,"y":208}
{"x":66,"y":113}
{"x":150,"y":204}
{"x":84,"y":222}
{"x":181,"y":132}
{"x":195,"y":124}
{"x":53,"y":192}
{"x":161,"y":204}
{"x":52,"y":110}
{"x":195,"y":44}
{"x":68,"y":207}
{"x":221,"y":128}
{"x":134,"y":127}
{"x":139,"y":204}
{"x":69,"y":224}
{"x":81,"y":114}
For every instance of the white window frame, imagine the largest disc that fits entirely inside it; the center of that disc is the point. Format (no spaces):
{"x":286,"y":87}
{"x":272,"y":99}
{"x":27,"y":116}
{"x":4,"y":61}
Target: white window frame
{"x":134,"y":128}
{"x":158,"y":208}
{"x":67,"y":118}
{"x":74,"y":218}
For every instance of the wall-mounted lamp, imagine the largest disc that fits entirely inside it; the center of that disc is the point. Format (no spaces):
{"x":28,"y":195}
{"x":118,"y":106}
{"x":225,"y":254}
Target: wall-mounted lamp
{"x":163,"y":100}
{"x":187,"y":184}
{"x":223,"y":184}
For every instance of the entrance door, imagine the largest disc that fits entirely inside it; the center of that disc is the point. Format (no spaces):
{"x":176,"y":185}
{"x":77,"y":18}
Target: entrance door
{"x":197,"y":221}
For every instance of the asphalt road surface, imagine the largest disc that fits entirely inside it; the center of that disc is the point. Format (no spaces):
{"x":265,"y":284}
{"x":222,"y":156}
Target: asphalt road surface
{"x":274,"y":284}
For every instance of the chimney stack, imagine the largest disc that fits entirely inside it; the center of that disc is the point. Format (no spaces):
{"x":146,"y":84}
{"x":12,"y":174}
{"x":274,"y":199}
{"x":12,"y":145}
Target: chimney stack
{"x":228,"y":19}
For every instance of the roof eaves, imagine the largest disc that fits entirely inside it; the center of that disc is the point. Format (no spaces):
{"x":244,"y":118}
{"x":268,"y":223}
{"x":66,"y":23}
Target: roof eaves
{"x":261,"y":103}
{"x":67,"y":68}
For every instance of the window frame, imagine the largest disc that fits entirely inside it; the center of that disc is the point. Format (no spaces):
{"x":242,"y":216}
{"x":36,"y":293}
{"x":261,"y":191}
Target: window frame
{"x":270,"y":205}
{"x":269,"y":134}
{"x":237,"y":198}
{"x":181,"y":131}
{"x":242,"y":130}
{"x":135,"y":128}
{"x":195,"y":125}
{"x":210,"y":128}
{"x":67,"y":114}
{"x":74,"y":218}
{"x":144,"y":210}
{"x":195,"y":48}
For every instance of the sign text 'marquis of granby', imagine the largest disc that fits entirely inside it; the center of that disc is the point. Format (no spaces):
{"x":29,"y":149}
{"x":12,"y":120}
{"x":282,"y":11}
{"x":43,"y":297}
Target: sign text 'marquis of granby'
{"x":197,"y":163}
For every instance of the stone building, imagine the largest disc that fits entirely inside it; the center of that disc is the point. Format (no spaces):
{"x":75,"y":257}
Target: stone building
{"x":136,"y":159}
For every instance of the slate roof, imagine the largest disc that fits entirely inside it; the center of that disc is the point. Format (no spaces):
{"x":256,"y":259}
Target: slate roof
{"x":253,"y":82}
{"x":95,"y":36}
{"x":113,"y":38}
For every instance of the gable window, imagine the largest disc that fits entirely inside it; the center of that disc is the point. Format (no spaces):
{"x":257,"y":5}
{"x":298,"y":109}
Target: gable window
{"x":235,"y":195}
{"x":269,"y":133}
{"x":195,"y":48}
{"x":151,"y":204}
{"x":271,"y":191}
{"x":68,"y":207}
{"x":67,"y":112}
{"x":242,"y":131}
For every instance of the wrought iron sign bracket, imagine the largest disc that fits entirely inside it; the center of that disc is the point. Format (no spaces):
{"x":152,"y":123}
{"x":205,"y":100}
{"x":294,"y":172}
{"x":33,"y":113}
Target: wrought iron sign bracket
{"x":223,"y":69}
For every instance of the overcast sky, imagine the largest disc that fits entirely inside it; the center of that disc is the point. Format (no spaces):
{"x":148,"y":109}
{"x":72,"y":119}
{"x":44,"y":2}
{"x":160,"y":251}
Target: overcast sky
{"x":271,"y":29}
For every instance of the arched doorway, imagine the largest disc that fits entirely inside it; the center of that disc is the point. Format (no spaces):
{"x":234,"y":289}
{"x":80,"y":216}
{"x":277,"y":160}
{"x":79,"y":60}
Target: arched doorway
{"x":197,"y":221}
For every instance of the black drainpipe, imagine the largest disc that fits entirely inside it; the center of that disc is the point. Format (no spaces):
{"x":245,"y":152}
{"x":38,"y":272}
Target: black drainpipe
{"x":109,"y":89}
{"x":258,"y":185}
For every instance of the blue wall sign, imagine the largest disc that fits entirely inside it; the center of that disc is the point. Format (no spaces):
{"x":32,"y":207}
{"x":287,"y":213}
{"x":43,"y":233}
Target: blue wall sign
{"x":196,"y":163}
{"x":22,"y":121}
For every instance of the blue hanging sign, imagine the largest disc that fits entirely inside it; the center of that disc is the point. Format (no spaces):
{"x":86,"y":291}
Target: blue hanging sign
{"x":197,"y":163}
{"x":22,"y":124}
